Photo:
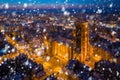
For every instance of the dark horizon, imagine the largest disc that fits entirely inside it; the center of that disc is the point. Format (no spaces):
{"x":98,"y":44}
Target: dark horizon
{"x":58,"y":8}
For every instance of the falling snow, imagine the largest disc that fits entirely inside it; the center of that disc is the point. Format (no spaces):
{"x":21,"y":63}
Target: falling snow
{"x":6,"y":5}
{"x":35,"y":34}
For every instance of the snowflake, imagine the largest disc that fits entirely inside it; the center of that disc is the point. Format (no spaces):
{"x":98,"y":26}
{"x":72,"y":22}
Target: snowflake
{"x":48,"y":79}
{"x":13,"y":13}
{"x":111,"y":5}
{"x":39,"y":53}
{"x":44,"y":30}
{"x":66,"y":13}
{"x":13,"y":50}
{"x":66,"y":73}
{"x":25,"y":5}
{"x":6,"y":6}
{"x":47,"y":58}
{"x":113,"y":32}
{"x":7,"y":46}
{"x":27,"y":62}
{"x":2,"y":30}
{"x":13,"y":38}
{"x":118,"y":73}
{"x":19,"y":2}
{"x":5,"y":59}
{"x":63,"y":9}
{"x":99,"y":11}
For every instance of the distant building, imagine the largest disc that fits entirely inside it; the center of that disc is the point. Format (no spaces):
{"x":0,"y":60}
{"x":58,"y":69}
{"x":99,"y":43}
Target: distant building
{"x":59,"y":43}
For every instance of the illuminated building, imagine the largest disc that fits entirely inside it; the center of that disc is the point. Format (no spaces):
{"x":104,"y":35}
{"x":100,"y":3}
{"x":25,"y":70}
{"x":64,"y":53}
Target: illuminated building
{"x":61,"y":48}
{"x":82,"y":41}
{"x":89,"y":54}
{"x":78,"y":33}
{"x":63,"y":51}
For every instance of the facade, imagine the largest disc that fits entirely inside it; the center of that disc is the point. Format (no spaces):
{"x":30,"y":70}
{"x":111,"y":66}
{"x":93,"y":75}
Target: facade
{"x":63,"y":50}
{"x":82,"y":41}
{"x":88,"y":54}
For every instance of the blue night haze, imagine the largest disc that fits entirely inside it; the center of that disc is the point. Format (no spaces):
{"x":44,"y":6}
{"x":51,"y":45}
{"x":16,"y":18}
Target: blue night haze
{"x":61,"y":1}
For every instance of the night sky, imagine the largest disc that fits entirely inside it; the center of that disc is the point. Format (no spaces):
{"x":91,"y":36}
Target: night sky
{"x":95,"y":2}
{"x":100,"y":5}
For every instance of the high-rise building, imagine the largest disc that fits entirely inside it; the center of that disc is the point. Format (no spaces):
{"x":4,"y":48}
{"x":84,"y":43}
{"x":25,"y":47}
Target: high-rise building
{"x":78,"y":37}
{"x":88,"y":54}
{"x":82,"y":41}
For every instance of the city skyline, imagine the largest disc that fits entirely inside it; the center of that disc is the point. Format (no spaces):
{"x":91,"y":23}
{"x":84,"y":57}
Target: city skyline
{"x":59,"y":40}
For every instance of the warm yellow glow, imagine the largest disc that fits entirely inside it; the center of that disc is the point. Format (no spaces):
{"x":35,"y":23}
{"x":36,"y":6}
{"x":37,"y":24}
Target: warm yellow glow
{"x":57,"y":69}
{"x":59,"y":53}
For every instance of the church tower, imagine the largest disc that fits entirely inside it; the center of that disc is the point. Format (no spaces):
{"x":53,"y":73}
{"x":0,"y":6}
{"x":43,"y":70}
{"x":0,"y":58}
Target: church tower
{"x":82,"y":41}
